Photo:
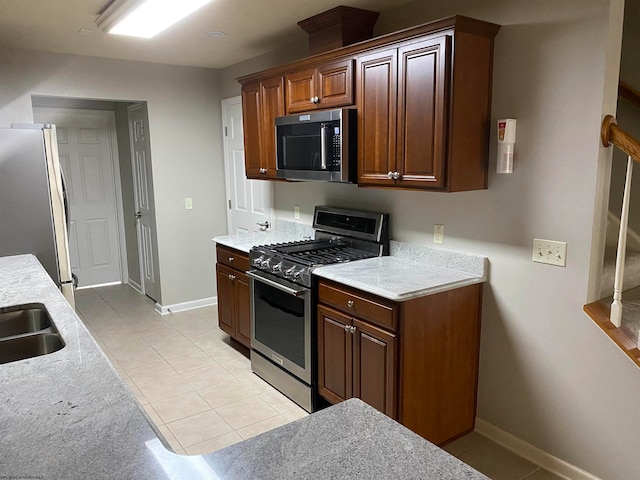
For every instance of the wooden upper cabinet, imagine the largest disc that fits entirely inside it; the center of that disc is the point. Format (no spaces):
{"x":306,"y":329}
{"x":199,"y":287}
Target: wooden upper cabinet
{"x":376,"y":100}
{"x":251,"y":126}
{"x":423,"y":97}
{"x":272,"y":98}
{"x":262,"y":102}
{"x":402,"y":99}
{"x":329,"y":85}
{"x":423,"y":74}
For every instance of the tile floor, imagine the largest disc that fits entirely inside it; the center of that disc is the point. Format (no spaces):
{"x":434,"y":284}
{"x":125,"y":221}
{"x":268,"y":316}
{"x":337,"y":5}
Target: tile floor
{"x":197,"y":385}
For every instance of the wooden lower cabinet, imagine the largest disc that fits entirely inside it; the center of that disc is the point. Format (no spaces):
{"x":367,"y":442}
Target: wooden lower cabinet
{"x":234,"y":301}
{"x":424,"y":373}
{"x":356,"y":359}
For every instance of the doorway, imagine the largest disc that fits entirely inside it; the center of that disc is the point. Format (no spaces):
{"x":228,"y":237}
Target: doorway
{"x":121,"y":248}
{"x":87,"y":147}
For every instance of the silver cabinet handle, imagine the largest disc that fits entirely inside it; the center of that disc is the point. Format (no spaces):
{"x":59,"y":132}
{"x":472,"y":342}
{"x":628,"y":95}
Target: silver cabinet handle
{"x":316,"y":100}
{"x":396,"y":175}
{"x":350,"y":304}
{"x":311,"y":100}
{"x":263,"y":170}
{"x":138,"y":214}
{"x":390,"y":175}
{"x":352,"y":329}
{"x":347,"y":329}
{"x":231,"y":259}
{"x":232,"y":277}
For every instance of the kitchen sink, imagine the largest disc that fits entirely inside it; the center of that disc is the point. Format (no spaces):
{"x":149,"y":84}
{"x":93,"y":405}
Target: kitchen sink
{"x":21,"y":319}
{"x":29,"y":346}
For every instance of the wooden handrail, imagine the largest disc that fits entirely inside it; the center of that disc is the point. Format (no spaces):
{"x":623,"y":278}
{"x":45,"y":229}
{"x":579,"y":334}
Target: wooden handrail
{"x":610,"y":134}
{"x":627,"y":91}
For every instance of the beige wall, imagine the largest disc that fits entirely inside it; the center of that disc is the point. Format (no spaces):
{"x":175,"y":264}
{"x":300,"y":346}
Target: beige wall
{"x":186,"y":146}
{"x":548,"y":375}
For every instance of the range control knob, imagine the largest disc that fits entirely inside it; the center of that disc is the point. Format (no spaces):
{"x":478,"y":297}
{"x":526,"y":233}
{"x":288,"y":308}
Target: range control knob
{"x":265,"y":263}
{"x":256,"y":262}
{"x":289,"y":272}
{"x":277,"y":268}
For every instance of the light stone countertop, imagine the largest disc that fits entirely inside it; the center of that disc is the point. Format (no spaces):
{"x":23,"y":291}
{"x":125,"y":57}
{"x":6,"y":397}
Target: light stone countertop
{"x":68,"y":415}
{"x":285,"y":231}
{"x":411,"y":271}
{"x":397,"y":278}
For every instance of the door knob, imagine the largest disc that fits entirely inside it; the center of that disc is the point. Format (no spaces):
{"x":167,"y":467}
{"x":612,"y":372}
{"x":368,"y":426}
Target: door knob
{"x":264,"y":225}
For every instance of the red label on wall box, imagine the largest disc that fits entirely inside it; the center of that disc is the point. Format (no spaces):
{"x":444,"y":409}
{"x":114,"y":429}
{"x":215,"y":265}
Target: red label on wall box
{"x":501,"y":128}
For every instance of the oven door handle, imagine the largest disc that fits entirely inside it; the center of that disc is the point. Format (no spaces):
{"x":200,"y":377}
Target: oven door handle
{"x":296,"y":292}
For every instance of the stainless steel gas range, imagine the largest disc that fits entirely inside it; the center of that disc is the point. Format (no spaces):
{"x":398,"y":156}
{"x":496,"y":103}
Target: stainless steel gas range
{"x":283,"y":339}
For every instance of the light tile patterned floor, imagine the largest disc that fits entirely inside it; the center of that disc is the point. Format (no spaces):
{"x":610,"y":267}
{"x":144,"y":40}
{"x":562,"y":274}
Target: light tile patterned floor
{"x":197,"y":386}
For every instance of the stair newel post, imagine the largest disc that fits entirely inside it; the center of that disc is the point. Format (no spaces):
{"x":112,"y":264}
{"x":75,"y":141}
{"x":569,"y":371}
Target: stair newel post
{"x":616,"y":307}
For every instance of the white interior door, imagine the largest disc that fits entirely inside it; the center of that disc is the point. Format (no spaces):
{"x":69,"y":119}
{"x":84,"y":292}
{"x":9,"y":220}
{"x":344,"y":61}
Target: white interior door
{"x":144,"y":201}
{"x":85,"y":147}
{"x":249,"y":202}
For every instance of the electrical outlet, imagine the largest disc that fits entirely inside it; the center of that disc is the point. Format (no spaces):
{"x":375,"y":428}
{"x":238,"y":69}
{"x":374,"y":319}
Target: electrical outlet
{"x":550,"y":252}
{"x":438,"y":234}
{"x":296,"y":212}
{"x":188,"y":203}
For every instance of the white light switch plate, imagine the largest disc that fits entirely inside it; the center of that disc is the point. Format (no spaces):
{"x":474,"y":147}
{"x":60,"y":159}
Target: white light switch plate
{"x":188,"y":203}
{"x":550,"y":252}
{"x":296,"y":212}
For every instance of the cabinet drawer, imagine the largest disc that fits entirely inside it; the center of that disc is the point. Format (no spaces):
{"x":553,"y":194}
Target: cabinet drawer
{"x":360,"y":304}
{"x":232,"y":258}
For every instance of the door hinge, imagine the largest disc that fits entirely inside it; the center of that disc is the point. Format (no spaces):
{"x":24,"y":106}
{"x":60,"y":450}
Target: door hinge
{"x":229,"y":204}
{"x":225,"y":131}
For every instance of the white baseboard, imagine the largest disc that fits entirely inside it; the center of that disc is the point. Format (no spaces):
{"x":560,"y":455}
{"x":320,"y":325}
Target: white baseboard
{"x":532,"y":453}
{"x":181,"y":307}
{"x":135,"y":285}
{"x":98,"y":285}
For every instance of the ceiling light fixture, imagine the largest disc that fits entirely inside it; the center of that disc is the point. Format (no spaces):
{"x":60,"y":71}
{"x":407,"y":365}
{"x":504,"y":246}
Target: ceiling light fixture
{"x":215,"y":34}
{"x":145,"y":18}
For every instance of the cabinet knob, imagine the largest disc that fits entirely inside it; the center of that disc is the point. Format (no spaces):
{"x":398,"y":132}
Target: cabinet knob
{"x":390,"y":175}
{"x":396,"y":175}
{"x":350,"y":304}
{"x":231,"y":259}
{"x":232,"y":277}
{"x":263,"y":170}
{"x":316,"y":100}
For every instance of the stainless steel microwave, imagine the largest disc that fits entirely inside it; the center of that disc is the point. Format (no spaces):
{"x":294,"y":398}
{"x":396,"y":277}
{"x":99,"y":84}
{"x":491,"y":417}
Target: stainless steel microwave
{"x":317,"y":146}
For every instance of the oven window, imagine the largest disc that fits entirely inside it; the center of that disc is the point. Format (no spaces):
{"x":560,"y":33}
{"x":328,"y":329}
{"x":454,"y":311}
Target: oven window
{"x":279,"y":322}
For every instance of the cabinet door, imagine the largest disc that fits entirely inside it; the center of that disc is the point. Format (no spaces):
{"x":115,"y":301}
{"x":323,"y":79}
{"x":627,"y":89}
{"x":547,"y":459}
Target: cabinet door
{"x":226,"y":301}
{"x":377,"y":102}
{"x":301,"y":88}
{"x":272,"y":104}
{"x":374,"y":367}
{"x":423,"y":79}
{"x":335,"y":84}
{"x":243,"y":309}
{"x":252,"y":127}
{"x":334,"y":355}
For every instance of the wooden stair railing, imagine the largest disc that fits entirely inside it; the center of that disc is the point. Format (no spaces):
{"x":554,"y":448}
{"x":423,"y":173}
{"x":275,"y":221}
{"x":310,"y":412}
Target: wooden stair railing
{"x":627,"y":91}
{"x":610,"y":319}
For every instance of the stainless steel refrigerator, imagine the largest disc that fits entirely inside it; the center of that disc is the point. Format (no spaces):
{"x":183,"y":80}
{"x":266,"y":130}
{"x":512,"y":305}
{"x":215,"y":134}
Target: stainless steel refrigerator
{"x":33,"y":207}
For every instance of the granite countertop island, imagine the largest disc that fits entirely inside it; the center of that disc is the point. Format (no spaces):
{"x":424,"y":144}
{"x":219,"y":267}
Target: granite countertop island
{"x":68,"y":415}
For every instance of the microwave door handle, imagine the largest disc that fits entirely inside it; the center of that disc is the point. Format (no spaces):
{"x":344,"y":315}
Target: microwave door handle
{"x":323,"y":147}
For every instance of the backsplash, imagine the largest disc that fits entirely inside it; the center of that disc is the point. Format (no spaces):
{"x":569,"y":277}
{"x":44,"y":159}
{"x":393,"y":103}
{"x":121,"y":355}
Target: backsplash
{"x":294,"y":228}
{"x":464,"y":262}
